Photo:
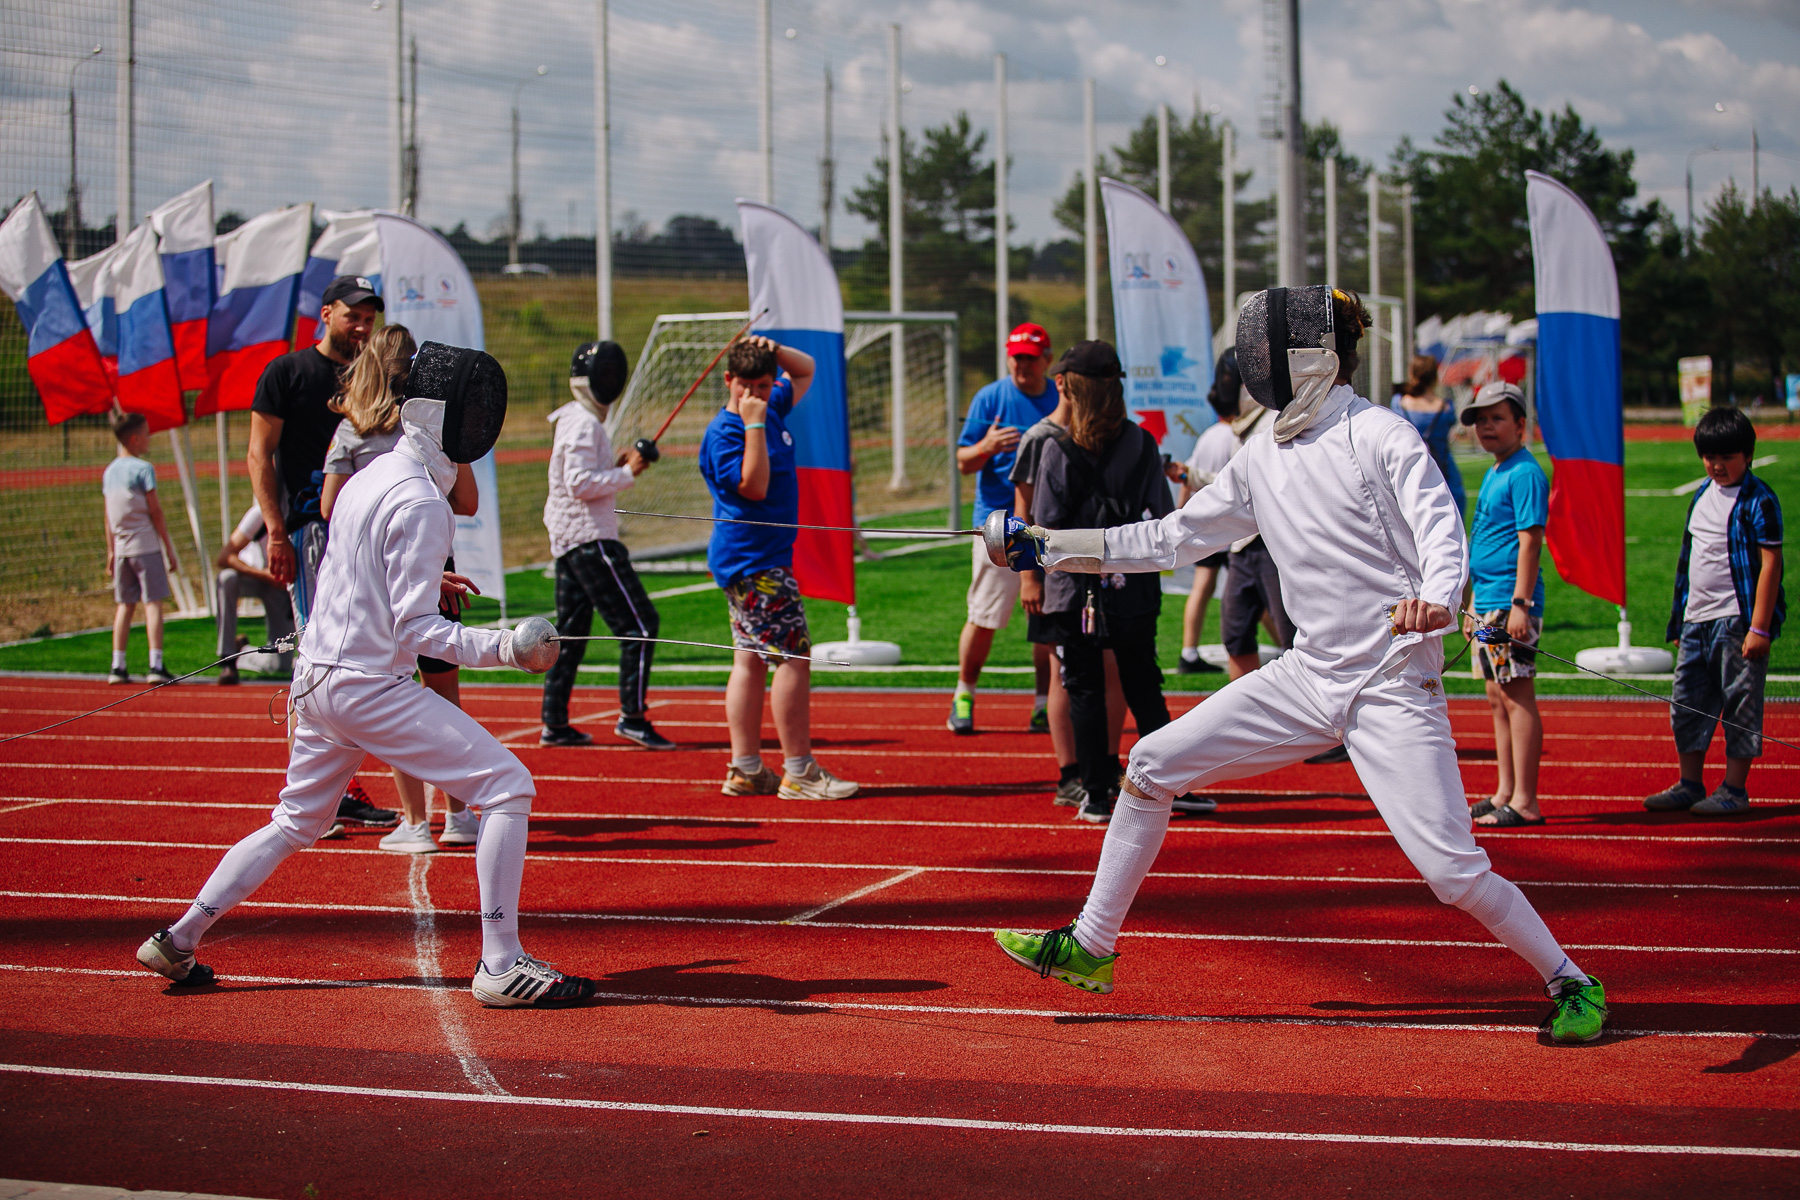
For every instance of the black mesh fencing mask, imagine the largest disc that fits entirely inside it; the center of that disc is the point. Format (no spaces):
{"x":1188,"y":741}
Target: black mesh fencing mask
{"x":472,"y":386}
{"x":603,"y":366}
{"x":1269,"y":325}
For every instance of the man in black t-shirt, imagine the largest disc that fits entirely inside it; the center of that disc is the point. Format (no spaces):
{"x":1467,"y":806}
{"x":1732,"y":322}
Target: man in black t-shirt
{"x":291,"y":424}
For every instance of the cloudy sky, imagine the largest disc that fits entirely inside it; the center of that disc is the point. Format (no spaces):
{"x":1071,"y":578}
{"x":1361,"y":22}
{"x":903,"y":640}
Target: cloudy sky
{"x":282,"y":103}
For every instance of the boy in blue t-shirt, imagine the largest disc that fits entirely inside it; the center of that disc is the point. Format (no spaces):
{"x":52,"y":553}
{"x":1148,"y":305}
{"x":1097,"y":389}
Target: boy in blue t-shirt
{"x":1729,"y":606}
{"x":998,"y":416}
{"x":1505,"y":546}
{"x":747,"y":460}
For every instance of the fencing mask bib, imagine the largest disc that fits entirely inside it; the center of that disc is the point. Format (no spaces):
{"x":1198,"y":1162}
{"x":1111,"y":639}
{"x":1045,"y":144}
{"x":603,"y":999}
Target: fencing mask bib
{"x":1287,"y":352}
{"x":471,"y":385}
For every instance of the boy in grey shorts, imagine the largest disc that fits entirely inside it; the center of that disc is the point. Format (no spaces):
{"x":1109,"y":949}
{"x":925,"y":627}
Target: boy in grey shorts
{"x":136,"y":540}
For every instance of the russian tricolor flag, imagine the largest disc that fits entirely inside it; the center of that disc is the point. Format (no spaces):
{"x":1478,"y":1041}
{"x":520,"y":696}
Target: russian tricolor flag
{"x":91,"y":277}
{"x":185,"y":228}
{"x":148,"y":379}
{"x":259,"y":265}
{"x":62,"y":359}
{"x":1580,"y":401}
{"x":349,"y":245}
{"x":791,"y":276}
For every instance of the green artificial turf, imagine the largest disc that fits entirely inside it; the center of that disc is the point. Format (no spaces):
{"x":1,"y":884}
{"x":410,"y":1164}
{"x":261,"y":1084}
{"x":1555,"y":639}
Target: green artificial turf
{"x":917,"y":600}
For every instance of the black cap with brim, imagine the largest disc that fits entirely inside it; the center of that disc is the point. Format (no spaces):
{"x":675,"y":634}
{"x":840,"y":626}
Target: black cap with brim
{"x":352,"y":290}
{"x":1096,"y":360}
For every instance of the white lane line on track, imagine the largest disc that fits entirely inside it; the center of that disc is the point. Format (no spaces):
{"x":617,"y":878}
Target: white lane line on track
{"x":1196,"y":827}
{"x":887,"y":927}
{"x":426,"y":948}
{"x":907,"y":872}
{"x":846,"y":1118}
{"x":1055,"y":1014}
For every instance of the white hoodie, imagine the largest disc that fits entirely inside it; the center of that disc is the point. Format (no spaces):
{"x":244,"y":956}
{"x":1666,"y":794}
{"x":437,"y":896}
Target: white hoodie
{"x":583,"y":481}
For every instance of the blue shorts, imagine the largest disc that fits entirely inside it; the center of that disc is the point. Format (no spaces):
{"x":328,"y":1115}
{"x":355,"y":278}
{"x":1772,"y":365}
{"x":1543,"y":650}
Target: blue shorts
{"x":1712,"y":675}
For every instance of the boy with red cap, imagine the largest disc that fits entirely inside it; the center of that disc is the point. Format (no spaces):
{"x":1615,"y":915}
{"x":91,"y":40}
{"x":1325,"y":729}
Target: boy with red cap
{"x":1000,"y":412}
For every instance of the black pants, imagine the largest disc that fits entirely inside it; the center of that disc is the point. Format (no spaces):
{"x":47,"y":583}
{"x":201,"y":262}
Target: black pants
{"x":598,"y":575}
{"x":1133,"y":643}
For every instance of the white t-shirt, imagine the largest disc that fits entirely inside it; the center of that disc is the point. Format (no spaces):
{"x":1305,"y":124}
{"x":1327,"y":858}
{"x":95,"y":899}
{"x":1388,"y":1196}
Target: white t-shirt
{"x":252,"y":527}
{"x":1711,"y":594}
{"x":1212,"y":450}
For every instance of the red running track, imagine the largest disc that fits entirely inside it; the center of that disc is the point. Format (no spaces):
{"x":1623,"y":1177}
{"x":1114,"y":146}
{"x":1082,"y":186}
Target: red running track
{"x":803,"y":997}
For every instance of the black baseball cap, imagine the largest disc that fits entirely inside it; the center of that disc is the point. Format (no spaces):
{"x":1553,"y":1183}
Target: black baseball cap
{"x":1096,"y":360}
{"x":352,"y":290}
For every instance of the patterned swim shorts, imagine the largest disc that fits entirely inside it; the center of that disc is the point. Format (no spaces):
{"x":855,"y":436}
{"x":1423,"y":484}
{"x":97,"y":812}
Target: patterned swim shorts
{"x":768,"y":616}
{"x":1504,"y":664}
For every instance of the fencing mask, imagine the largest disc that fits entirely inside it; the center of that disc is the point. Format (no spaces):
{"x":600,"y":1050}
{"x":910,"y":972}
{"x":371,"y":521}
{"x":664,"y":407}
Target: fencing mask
{"x":471,"y":386}
{"x":597,"y":373}
{"x":1287,"y":351}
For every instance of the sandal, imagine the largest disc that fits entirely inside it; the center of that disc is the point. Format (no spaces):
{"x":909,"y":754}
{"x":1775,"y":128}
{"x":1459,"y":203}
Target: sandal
{"x":1508,"y":817}
{"x":1482,"y":808}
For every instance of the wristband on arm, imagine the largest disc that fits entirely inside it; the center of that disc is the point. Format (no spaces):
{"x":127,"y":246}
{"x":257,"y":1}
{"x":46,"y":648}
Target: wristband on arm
{"x":757,"y":425}
{"x":1762,"y":633}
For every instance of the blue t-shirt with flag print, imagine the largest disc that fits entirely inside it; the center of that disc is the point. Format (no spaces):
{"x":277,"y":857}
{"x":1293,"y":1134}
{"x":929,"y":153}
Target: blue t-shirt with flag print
{"x":738,"y":551}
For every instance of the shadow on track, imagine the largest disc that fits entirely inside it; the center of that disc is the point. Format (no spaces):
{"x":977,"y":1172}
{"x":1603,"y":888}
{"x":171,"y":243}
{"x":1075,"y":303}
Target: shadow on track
{"x":699,"y":980}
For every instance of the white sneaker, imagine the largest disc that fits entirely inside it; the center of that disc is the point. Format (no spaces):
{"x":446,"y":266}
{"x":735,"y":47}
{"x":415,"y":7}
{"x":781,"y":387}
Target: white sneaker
{"x":460,"y":828}
{"x":409,"y":839}
{"x":158,"y":953}
{"x":529,"y":984}
{"x":816,"y":784}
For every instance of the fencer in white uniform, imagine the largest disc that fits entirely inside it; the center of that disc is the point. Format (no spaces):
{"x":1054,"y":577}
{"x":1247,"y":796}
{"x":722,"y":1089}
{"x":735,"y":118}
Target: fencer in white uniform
{"x":1372,"y":559}
{"x":354,"y":693}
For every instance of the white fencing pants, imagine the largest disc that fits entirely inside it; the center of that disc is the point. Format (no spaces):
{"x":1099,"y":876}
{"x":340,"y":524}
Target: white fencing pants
{"x":337,"y":722}
{"x":1397,"y":730}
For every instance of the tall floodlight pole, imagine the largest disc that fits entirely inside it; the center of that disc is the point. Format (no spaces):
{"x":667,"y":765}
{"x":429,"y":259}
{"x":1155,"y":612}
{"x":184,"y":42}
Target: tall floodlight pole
{"x":1002,"y":224}
{"x":1291,"y":238}
{"x":827,"y":174}
{"x":410,"y":164}
{"x":1090,"y":209}
{"x":1162,"y":157}
{"x":602,"y":181}
{"x":766,"y":102}
{"x":1228,"y":213}
{"x":516,"y":203}
{"x":1375,"y":284}
{"x":1331,"y":222}
{"x":896,"y":264}
{"x":1406,"y":268}
{"x":127,"y":122}
{"x":72,"y":214}
{"x":399,"y":160}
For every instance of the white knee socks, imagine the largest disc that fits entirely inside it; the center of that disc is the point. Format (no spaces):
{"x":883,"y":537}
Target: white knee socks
{"x":1509,"y":916}
{"x":239,"y":873}
{"x":500,"y":869}
{"x":1132,"y":841}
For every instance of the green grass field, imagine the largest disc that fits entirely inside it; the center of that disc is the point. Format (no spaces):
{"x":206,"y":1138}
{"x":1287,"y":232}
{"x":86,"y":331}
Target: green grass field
{"x":917,"y":600}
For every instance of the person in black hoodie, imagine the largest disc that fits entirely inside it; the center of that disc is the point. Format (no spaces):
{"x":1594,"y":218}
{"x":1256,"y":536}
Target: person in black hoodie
{"x":1103,"y":472}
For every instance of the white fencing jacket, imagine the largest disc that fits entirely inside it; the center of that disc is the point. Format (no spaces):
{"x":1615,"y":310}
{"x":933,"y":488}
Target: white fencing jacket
{"x":1355,"y":513}
{"x":583,"y":481}
{"x":379,"y":584}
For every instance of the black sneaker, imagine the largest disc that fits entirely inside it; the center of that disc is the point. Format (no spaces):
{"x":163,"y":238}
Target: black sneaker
{"x":1337,"y":754}
{"x":159,"y":675}
{"x":639,"y":730}
{"x":1190,"y":803}
{"x":357,"y":809}
{"x":564,"y":735}
{"x":118,"y":675}
{"x":1095,"y":812}
{"x":1198,"y":666}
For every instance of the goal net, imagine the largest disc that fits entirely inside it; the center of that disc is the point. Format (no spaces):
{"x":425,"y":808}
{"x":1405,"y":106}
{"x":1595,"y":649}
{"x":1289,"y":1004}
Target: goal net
{"x":902,"y":373}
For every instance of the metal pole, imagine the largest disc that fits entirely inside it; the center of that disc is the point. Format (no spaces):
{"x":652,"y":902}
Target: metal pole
{"x":176,"y":439}
{"x":1331,"y":222}
{"x":1002,"y":228}
{"x":513,"y":206}
{"x":127,"y":125}
{"x":1690,"y":201}
{"x":952,"y":426}
{"x":226,"y":524}
{"x":1406,"y":268}
{"x":1228,"y":210}
{"x":1162,"y":157}
{"x":411,"y":164}
{"x":1292,"y":244}
{"x":827,"y":175}
{"x":72,"y":215}
{"x":896,"y":265}
{"x":1375,"y":283}
{"x":766,"y":103}
{"x":602,"y":181}
{"x":1090,"y":220}
{"x":399,"y":161}
{"x":1755,"y":165}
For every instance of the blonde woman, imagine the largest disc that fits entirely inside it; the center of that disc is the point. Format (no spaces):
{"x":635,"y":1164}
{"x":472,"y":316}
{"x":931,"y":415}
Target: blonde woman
{"x":374,"y":388}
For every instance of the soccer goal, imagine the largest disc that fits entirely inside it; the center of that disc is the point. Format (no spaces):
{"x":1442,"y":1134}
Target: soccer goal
{"x":903,"y":376}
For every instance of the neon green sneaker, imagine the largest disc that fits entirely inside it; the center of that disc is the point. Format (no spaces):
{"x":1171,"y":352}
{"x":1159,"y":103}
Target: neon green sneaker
{"x":1057,"y":955}
{"x":962,"y":713}
{"x":1580,"y":1011}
